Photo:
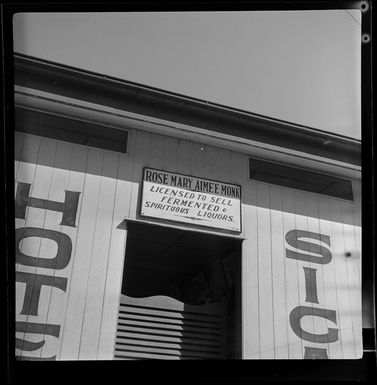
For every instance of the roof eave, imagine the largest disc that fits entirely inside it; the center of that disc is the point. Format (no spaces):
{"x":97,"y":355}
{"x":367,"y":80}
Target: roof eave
{"x":128,"y":96}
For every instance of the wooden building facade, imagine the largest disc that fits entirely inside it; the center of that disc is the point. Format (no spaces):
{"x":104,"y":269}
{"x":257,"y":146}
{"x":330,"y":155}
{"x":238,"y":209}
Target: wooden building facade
{"x":272,"y":270}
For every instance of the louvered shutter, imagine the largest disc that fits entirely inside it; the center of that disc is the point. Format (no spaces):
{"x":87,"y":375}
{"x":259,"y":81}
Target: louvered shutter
{"x":161,"y":327}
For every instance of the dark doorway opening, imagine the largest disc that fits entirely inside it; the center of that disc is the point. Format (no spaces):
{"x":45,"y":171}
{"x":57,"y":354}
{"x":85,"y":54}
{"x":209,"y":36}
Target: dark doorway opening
{"x":180,"y":295}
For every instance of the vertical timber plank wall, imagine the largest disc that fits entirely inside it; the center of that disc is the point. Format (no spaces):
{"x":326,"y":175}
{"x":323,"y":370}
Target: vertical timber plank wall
{"x":59,"y":183}
{"x":292,"y":273}
{"x":114,"y":268}
{"x":77,"y":178}
{"x":110,"y":183}
{"x":99,"y":258}
{"x":278,"y":275}
{"x":26,"y":172}
{"x":282,"y":285}
{"x":93,"y":274}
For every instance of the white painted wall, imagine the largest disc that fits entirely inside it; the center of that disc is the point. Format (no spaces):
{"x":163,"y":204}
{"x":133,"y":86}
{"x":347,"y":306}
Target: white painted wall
{"x":272,"y":285}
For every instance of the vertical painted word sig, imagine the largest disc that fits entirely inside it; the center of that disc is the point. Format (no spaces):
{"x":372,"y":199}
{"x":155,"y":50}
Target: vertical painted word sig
{"x":322,"y":256}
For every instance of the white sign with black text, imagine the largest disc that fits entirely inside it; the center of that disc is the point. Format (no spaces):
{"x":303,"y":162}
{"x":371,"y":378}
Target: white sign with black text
{"x":188,"y":199}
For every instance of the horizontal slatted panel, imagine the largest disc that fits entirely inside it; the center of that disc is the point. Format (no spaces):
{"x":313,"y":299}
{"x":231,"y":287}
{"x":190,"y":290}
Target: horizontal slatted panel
{"x":163,"y":328}
{"x":154,"y":324}
{"x":172,"y":337}
{"x":139,"y":355}
{"x":168,"y":342}
{"x":124,"y":314}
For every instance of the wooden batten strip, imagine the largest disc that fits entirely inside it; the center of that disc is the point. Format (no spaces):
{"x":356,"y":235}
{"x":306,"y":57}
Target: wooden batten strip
{"x":164,"y":326}
{"x":160,"y":332}
{"x":154,"y":350}
{"x":170,"y":312}
{"x":165,"y":338}
{"x":173,"y":319}
{"x":140,"y":355}
{"x":167,"y":345}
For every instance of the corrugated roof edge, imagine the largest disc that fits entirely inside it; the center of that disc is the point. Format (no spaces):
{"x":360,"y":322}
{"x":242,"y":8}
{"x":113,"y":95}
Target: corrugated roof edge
{"x":125,"y":95}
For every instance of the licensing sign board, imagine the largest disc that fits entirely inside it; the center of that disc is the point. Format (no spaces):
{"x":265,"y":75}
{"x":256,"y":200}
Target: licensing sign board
{"x":188,"y":199}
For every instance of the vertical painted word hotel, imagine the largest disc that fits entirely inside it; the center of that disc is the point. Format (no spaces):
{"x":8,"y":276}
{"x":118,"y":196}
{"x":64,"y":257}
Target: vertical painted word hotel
{"x":154,"y":225}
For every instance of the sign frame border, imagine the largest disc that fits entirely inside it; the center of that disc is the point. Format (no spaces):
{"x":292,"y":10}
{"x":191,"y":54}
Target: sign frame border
{"x":141,"y":196}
